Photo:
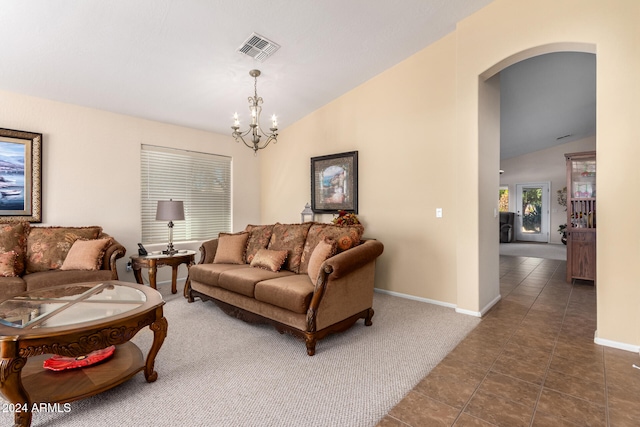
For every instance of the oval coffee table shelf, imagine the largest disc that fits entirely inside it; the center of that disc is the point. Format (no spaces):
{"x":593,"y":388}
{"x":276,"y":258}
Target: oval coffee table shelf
{"x":46,"y":386}
{"x":74,"y":320}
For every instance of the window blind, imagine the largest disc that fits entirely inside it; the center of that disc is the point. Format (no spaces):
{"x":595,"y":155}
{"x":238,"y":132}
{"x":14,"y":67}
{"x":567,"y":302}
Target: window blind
{"x":202,"y":181}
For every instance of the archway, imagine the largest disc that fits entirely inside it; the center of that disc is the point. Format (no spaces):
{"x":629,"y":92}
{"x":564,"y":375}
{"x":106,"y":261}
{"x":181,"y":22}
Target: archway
{"x":489,"y":163}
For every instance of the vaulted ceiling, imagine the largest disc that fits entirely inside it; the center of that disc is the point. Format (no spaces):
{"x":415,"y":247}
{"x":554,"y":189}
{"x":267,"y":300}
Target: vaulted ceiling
{"x":176,"y":61}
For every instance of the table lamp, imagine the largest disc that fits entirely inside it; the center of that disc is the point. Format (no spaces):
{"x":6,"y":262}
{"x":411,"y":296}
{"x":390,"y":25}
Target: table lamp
{"x":170,"y":210}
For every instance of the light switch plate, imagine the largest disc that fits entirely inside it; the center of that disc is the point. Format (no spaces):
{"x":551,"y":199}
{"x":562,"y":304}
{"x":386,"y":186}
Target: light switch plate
{"x":438,"y":212}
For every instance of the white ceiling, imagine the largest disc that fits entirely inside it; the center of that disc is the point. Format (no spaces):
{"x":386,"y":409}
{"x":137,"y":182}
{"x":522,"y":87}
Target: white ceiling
{"x":175,"y":61}
{"x":547,"y":100}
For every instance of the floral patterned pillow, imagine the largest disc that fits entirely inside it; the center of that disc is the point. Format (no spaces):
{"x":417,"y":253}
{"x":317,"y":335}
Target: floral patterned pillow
{"x":259,"y":236}
{"x":13,"y":237}
{"x":345,"y":237}
{"x":290,"y":237}
{"x":314,"y":237}
{"x":47,"y":247}
{"x":8,"y":264}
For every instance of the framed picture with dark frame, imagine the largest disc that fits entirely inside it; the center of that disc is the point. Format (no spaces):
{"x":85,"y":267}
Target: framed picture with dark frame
{"x":20,"y":176}
{"x":334,"y":183}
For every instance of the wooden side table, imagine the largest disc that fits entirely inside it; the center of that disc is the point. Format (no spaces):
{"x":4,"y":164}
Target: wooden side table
{"x":152,"y":262}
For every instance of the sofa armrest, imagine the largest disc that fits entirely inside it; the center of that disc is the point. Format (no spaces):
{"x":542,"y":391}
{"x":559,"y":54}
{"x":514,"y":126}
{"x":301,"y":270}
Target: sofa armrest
{"x":113,"y":252}
{"x":354,"y":258}
{"x":344,"y":286}
{"x":208,"y":251}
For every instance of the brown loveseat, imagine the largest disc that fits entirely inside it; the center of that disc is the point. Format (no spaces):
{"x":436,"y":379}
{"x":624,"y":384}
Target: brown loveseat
{"x":313,"y":279}
{"x":37,"y":257}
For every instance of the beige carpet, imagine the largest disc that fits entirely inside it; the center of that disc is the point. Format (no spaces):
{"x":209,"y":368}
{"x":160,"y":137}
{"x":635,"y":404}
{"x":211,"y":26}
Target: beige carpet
{"x":536,"y":250}
{"x":215,"y":370}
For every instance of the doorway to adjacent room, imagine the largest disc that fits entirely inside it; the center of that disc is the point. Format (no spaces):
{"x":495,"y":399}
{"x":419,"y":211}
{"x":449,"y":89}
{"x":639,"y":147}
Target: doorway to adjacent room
{"x":532,"y":212}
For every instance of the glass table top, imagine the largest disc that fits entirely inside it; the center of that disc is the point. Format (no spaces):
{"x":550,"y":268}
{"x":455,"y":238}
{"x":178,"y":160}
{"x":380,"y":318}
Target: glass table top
{"x":69,"y":304}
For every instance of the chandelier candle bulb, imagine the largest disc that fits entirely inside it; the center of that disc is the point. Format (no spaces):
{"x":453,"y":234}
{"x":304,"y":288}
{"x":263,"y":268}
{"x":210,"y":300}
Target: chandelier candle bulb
{"x":274,"y":121}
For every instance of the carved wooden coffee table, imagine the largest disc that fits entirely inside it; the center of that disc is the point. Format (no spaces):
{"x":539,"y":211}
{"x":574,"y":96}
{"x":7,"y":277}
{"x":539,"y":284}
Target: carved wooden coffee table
{"x":74,"y":320}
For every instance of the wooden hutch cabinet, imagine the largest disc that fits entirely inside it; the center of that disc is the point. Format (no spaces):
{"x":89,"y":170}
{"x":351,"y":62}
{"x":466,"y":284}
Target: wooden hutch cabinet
{"x":581,"y":215}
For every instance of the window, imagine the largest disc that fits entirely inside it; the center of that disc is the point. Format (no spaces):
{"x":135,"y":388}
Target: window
{"x":503,"y":198}
{"x":202,"y":181}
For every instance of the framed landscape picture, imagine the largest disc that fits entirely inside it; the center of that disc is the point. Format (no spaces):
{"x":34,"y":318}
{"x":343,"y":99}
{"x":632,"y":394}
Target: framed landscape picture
{"x":334,"y":183}
{"x":20,"y":176}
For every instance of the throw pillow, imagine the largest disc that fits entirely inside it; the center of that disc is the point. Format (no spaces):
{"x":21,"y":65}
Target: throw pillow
{"x":85,"y":255}
{"x":346,"y":237}
{"x":290,"y":237}
{"x":8,"y":264}
{"x":231,"y":248}
{"x":259,"y":236}
{"x":314,"y":236}
{"x":323,"y":251}
{"x":47,"y":247}
{"x":13,"y":237}
{"x":269,"y":259}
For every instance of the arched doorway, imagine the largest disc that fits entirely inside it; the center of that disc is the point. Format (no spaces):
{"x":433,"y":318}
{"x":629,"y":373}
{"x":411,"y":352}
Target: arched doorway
{"x":489,"y":164}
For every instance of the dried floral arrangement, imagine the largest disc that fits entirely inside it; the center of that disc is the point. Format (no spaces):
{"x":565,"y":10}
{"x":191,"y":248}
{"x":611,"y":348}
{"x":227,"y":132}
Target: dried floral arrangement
{"x":346,"y":218}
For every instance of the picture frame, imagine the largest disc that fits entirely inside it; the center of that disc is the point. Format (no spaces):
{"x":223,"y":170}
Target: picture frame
{"x":20,"y":176}
{"x":334,"y":183}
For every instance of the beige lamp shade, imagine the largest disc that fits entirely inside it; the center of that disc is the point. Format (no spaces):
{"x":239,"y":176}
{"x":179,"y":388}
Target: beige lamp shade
{"x":170,"y":210}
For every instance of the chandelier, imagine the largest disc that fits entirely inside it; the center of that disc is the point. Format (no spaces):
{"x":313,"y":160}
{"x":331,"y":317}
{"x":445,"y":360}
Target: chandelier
{"x":254,"y":127}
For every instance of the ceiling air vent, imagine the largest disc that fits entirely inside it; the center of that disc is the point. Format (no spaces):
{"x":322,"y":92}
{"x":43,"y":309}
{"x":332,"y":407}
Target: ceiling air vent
{"x":258,"y":47}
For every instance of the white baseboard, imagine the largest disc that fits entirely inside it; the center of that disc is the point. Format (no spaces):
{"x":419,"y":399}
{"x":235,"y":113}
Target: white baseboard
{"x":483,"y":311}
{"x":441,"y":303}
{"x":411,"y":297}
{"x":614,"y":344}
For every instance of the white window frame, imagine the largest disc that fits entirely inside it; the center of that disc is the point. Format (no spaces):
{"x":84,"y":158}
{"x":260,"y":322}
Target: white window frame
{"x":201,"y":180}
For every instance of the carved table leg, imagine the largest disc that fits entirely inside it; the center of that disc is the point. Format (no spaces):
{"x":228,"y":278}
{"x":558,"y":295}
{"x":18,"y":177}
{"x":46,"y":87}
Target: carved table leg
{"x":174,"y":278}
{"x":138,"y":275}
{"x":11,"y":387}
{"x":159,"y":328}
{"x":152,"y":275}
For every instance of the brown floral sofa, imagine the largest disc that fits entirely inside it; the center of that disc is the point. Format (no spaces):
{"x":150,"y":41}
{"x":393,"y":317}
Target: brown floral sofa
{"x":38,"y":257}
{"x":308,"y":280}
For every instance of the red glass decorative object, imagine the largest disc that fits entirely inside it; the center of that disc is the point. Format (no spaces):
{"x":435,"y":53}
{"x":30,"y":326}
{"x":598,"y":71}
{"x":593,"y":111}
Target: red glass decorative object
{"x":60,"y":363}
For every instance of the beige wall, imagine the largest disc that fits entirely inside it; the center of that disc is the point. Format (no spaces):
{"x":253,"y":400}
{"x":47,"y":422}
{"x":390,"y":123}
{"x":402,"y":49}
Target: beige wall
{"x":402,"y":125}
{"x":541,"y":166}
{"x":91,"y":166}
{"x":504,"y":29}
{"x":424,"y":143}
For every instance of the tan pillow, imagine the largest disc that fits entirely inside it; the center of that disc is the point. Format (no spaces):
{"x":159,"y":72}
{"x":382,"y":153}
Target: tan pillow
{"x":323,"y":250}
{"x":231,"y":248}
{"x":269,"y":259}
{"x":85,"y":255}
{"x":8,"y":264}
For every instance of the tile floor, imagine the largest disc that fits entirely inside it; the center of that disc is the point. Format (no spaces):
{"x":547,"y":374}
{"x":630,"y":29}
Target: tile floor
{"x":530,"y":362}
